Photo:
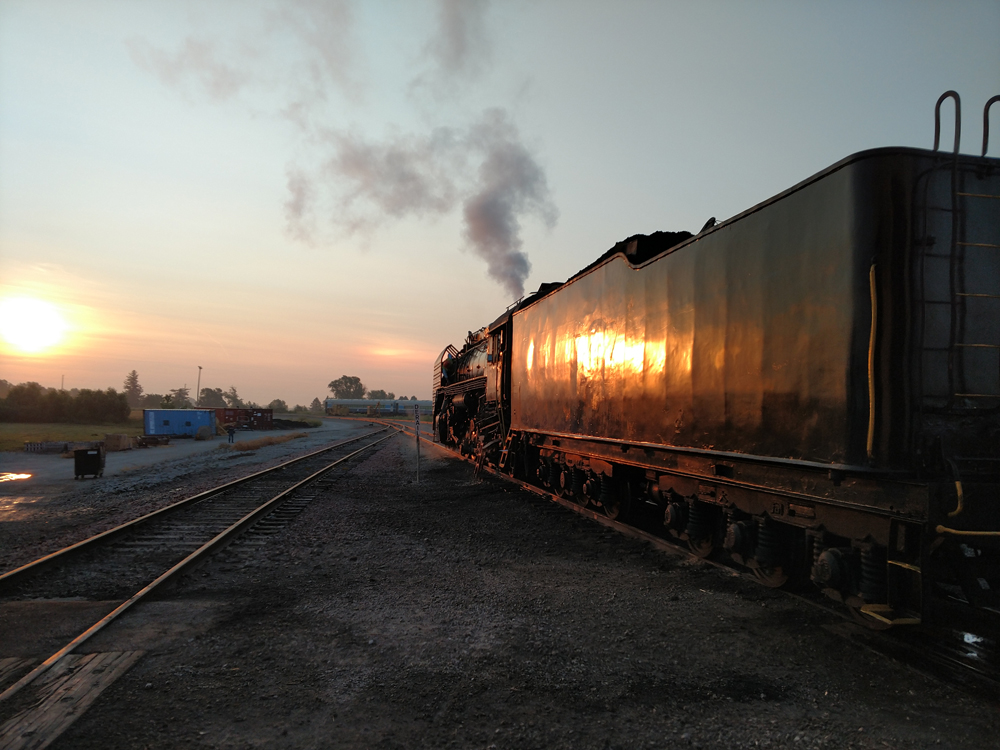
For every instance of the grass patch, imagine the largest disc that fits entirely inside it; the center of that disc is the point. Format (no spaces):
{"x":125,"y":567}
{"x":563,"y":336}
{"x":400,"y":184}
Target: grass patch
{"x":13,"y":435}
{"x":244,"y":446}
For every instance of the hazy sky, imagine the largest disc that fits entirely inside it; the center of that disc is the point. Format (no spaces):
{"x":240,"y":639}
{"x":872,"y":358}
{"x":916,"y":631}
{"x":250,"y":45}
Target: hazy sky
{"x":286,"y":192}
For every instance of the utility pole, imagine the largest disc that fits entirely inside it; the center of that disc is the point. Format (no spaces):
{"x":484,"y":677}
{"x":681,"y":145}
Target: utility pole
{"x":197,"y":395}
{"x":62,"y":384}
{"x":416,"y":419}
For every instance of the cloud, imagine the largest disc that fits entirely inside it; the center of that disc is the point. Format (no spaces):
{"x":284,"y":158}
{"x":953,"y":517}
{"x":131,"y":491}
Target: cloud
{"x":458,"y":51}
{"x":196,"y":59}
{"x":324,"y":30}
{"x":298,"y":206}
{"x":485,"y":168}
{"x":460,"y":44}
{"x":313,"y":38}
{"x":304,"y":52}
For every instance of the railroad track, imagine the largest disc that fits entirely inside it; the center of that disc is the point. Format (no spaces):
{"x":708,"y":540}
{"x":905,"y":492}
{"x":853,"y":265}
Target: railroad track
{"x":965,"y":659}
{"x":129,"y":562}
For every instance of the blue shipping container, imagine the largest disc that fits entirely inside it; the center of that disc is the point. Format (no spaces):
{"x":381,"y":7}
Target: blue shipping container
{"x":177,"y":421}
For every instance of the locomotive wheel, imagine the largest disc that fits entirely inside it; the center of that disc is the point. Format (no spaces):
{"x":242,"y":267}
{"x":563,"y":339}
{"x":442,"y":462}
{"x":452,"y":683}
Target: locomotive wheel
{"x":565,"y":488}
{"x":774,"y":577}
{"x":617,"y":507}
{"x":701,"y":547}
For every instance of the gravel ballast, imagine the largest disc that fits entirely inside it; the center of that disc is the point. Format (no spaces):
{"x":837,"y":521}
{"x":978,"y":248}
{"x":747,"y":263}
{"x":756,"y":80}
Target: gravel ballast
{"x":469,"y":613}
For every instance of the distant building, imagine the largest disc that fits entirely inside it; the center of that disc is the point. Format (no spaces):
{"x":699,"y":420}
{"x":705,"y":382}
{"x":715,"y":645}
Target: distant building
{"x":177,"y":422}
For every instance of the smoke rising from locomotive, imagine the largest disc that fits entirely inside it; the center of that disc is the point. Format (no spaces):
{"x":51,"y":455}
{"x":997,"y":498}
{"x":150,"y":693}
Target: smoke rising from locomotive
{"x":430,"y":175}
{"x":359,"y":183}
{"x":298,"y":207}
{"x":196,"y":59}
{"x":511,"y":183}
{"x":459,"y":50}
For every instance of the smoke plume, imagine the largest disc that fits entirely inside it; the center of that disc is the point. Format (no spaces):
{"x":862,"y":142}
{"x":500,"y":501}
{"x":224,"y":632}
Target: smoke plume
{"x":460,"y":45}
{"x":195,"y":59}
{"x":305,"y":53}
{"x":485,"y":168}
{"x":511,"y":184}
{"x":298,"y":206}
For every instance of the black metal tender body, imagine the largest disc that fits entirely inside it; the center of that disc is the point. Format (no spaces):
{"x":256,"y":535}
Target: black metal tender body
{"x":812,"y":386}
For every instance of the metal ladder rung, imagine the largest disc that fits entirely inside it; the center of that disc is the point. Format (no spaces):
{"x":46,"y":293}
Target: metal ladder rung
{"x":979,"y":195}
{"x":976,"y":294}
{"x":979,"y":346}
{"x":978,"y":244}
{"x":977,"y":395}
{"x":505,"y":451}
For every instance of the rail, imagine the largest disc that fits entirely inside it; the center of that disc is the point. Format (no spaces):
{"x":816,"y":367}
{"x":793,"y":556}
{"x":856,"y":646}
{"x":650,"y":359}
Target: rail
{"x":34,"y":565}
{"x":208,"y":547}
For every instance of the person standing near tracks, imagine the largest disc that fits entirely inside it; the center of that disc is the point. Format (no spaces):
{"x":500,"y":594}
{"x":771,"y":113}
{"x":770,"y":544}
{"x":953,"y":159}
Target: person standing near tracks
{"x":231,"y":431}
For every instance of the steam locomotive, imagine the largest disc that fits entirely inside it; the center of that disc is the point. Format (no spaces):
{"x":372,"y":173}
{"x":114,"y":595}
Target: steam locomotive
{"x":811,"y":388}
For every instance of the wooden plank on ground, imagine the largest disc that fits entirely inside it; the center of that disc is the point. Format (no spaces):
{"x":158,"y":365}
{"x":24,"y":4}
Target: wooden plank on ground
{"x":11,"y":668}
{"x":64,"y":693}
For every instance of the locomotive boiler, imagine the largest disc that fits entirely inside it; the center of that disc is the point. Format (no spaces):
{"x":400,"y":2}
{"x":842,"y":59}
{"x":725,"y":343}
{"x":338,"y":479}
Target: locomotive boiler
{"x":811,"y":388}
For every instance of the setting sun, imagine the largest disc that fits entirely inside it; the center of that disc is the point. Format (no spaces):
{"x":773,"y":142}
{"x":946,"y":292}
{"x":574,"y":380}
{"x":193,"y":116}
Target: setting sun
{"x":30,"y":325}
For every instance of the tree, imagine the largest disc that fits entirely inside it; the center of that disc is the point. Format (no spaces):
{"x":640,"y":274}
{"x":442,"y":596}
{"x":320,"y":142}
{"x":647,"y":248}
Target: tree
{"x":181,"y":400}
{"x":404,"y":398}
{"x":132,"y":389}
{"x":347,"y":386}
{"x":151,"y":401}
{"x":233,"y":400}
{"x":168,"y":402}
{"x":300,"y":409}
{"x":30,"y":402}
{"x":278,"y":405}
{"x":316,"y":407}
{"x":379,"y":395}
{"x":212,"y":398}
{"x":413,"y":398}
{"x":5,"y":388}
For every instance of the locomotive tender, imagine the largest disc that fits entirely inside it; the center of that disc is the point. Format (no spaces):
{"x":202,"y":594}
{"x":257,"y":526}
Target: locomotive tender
{"x":811,"y":387}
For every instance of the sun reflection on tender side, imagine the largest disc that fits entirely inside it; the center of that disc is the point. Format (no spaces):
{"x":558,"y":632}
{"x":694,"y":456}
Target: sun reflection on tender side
{"x":604,"y":354}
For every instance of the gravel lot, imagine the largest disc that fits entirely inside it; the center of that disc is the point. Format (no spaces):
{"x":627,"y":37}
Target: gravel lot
{"x":38,"y":517}
{"x":470,"y":614}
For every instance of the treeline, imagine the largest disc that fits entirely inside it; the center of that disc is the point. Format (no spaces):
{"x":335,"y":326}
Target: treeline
{"x":209,"y":398}
{"x":350,"y":386}
{"x":30,"y":402}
